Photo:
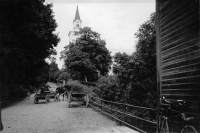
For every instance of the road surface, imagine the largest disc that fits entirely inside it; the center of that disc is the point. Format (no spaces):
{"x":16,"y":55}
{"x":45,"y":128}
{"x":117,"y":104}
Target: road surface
{"x":56,"y":117}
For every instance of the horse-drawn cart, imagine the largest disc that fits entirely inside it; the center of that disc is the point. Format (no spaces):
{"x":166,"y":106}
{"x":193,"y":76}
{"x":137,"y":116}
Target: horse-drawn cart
{"x":42,"y":96}
{"x":77,"y":94}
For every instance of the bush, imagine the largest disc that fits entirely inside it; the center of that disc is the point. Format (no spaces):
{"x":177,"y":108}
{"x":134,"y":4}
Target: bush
{"x":108,"y":89}
{"x":76,"y":85}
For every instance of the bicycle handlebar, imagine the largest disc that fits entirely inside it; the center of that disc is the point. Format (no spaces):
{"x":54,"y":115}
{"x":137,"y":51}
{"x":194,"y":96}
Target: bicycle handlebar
{"x":173,"y":103}
{"x":181,"y":107}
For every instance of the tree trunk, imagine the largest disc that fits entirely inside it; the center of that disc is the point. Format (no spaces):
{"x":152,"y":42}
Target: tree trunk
{"x":1,"y":125}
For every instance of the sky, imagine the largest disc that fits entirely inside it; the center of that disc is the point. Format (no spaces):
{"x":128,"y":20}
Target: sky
{"x":115,"y":20}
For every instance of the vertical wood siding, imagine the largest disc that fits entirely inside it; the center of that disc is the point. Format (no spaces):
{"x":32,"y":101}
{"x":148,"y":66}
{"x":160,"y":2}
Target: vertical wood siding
{"x":179,"y":45}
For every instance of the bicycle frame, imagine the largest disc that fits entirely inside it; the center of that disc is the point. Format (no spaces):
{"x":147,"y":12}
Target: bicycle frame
{"x":165,"y":116}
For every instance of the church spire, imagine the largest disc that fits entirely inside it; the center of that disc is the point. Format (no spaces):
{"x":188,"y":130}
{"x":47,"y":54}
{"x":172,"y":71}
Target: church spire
{"x":77,"y":25}
{"x":77,"y":16}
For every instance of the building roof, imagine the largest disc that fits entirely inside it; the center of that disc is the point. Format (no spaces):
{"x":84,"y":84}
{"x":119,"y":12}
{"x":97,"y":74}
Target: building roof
{"x":77,"y":16}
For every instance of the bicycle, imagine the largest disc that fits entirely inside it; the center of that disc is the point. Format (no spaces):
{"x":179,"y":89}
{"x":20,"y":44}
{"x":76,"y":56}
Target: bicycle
{"x":179,"y":107}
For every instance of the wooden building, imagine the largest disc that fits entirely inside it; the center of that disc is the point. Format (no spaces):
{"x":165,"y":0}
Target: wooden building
{"x":178,"y":51}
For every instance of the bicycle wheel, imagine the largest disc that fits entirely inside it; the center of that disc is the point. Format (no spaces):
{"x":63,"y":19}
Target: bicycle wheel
{"x":189,"y":129}
{"x":164,"y":125}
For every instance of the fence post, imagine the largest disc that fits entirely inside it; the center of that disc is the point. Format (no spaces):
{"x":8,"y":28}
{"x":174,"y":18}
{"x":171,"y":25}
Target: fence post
{"x":101,"y":104}
{"x":124,"y":111}
{"x":111,"y":104}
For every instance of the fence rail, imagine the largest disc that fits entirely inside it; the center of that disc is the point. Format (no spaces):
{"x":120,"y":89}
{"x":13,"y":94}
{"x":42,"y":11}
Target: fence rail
{"x":117,"y":119}
{"x":122,"y":111}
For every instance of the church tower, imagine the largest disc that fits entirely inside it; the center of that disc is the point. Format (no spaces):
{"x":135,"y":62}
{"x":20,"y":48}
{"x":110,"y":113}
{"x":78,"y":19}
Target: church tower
{"x":77,"y":24}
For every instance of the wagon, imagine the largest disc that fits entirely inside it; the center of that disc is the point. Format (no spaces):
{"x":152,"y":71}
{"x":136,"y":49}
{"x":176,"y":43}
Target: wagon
{"x":42,"y":96}
{"x":77,"y":94}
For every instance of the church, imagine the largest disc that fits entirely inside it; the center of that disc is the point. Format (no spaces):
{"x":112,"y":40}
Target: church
{"x":77,"y":24}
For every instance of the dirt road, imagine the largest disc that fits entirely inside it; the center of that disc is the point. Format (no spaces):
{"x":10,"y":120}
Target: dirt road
{"x":56,"y":117}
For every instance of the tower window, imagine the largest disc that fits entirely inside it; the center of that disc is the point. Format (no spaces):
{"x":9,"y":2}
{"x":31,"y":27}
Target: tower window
{"x":77,"y":25}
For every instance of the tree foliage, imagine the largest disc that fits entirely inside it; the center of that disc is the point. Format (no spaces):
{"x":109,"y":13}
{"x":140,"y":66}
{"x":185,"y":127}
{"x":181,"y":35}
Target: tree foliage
{"x":27,"y":39}
{"x":87,"y":57}
{"x":109,"y":88}
{"x":53,"y":72}
{"x":137,"y":72}
{"x":64,"y":75}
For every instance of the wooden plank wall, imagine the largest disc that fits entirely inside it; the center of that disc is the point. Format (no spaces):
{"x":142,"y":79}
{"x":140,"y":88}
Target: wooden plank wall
{"x":179,"y":50}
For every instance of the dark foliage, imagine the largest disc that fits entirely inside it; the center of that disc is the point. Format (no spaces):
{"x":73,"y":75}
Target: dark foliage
{"x":88,"y":57}
{"x":137,"y":72}
{"x":27,"y":39}
{"x":109,"y":89}
{"x":53,"y":72}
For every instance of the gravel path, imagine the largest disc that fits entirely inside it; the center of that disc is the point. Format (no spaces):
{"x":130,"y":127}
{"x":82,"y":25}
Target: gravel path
{"x":55,"y":117}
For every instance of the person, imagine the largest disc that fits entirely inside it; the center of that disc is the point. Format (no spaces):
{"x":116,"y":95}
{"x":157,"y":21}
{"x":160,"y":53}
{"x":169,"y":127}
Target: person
{"x":46,"y":87}
{"x":42,"y":90}
{"x":58,"y":93}
{"x":38,"y":91}
{"x":61,"y":91}
{"x":28,"y":94}
{"x":57,"y":96}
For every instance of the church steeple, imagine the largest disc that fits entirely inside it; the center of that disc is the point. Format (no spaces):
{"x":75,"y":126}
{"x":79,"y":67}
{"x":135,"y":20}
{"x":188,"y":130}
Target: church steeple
{"x":77,"y":24}
{"x":77,"y":16}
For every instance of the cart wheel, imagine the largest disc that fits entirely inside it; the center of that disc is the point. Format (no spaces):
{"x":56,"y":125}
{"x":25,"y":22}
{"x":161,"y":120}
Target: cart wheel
{"x":84,"y":99}
{"x":35,"y":101}
{"x":87,"y":101}
{"x":47,"y":100}
{"x":84,"y":102}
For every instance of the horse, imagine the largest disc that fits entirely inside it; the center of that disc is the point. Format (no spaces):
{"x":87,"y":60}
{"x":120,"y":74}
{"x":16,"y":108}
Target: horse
{"x":56,"y":98}
{"x":61,"y":91}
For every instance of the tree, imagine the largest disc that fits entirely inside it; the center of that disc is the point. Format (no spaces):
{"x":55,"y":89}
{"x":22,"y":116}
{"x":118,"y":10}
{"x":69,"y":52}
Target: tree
{"x":146,"y":54}
{"x":52,"y":55}
{"x":44,"y":76}
{"x":53,"y":72}
{"x":26,"y":40}
{"x":121,"y":67}
{"x":1,"y":123}
{"x":64,"y":75}
{"x":109,"y":88}
{"x":88,"y":57}
{"x":137,"y":72}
